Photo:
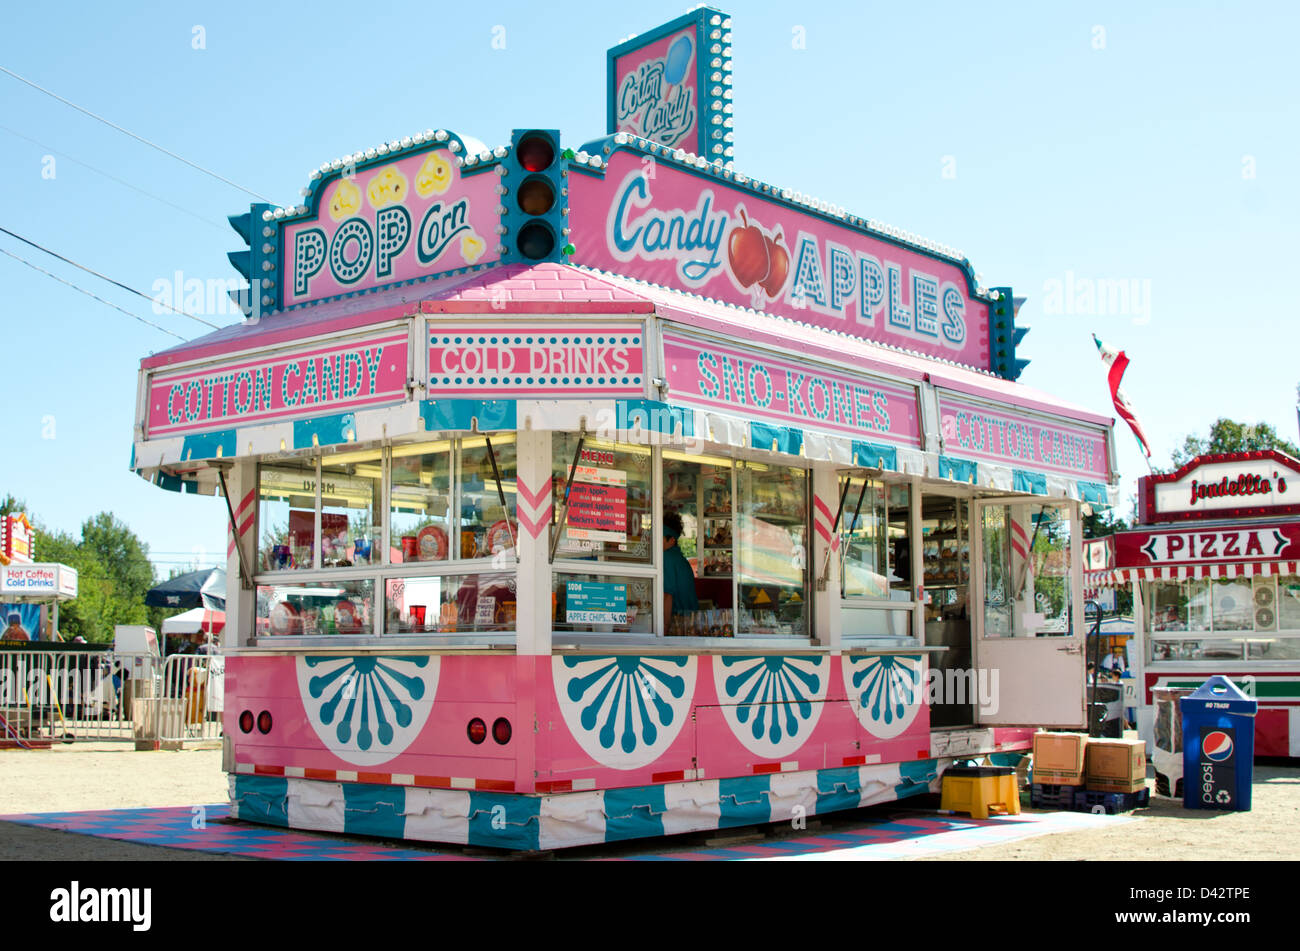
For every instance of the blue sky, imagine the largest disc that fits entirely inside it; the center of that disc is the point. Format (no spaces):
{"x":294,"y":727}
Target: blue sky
{"x":1151,"y":146}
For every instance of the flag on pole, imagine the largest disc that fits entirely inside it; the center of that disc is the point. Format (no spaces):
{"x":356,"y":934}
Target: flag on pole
{"x":1117,"y":361}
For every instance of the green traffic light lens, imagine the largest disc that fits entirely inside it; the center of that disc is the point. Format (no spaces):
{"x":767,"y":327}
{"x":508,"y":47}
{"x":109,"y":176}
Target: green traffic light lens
{"x":536,"y":241}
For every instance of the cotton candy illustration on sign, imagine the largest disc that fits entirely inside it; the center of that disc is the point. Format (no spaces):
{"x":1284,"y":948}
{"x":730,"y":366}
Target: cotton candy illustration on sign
{"x":760,"y":263}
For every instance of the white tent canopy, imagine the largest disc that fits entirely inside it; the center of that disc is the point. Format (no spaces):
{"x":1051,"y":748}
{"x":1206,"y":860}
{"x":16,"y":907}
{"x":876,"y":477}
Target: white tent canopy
{"x":188,"y":622}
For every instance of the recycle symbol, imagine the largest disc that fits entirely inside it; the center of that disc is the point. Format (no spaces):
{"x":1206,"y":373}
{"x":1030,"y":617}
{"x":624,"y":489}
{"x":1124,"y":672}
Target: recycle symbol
{"x":1223,"y":796}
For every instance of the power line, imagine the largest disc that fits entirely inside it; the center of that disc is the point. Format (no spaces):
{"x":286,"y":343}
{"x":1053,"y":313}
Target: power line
{"x":152,"y":300}
{"x":114,"y":178}
{"x":89,"y":294}
{"x":138,"y":138}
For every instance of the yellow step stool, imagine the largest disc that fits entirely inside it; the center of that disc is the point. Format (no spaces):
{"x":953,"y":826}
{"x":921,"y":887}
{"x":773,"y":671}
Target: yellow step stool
{"x":980,"y":791}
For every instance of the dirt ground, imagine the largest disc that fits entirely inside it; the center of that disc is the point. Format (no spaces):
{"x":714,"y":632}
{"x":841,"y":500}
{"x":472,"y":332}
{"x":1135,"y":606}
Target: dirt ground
{"x":115,"y":776}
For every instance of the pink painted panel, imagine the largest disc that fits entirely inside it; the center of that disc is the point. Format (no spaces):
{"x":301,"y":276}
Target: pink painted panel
{"x":325,"y":377}
{"x":699,"y":233}
{"x":511,"y":361}
{"x":729,"y":379}
{"x":411,"y":218}
{"x":979,"y":432}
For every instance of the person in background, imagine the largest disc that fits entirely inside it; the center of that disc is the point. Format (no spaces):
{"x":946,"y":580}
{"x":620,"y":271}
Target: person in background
{"x":679,"y":580}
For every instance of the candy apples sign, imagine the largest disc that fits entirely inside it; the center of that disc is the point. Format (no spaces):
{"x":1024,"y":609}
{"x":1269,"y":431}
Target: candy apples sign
{"x":717,"y":238}
{"x":388,"y":222}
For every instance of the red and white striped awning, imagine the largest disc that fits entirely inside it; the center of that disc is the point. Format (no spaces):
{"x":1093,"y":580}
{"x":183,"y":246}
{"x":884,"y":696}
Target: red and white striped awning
{"x":1116,"y":577}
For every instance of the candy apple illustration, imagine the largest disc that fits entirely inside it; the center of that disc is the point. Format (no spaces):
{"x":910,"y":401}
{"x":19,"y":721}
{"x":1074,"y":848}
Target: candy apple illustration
{"x":778,"y":267}
{"x":747,"y":249}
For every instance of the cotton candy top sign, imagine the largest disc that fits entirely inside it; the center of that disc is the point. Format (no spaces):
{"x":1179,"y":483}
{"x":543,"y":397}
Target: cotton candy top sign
{"x":668,"y":85}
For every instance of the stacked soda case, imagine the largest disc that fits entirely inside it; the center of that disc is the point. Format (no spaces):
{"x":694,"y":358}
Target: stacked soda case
{"x":1081,"y":774}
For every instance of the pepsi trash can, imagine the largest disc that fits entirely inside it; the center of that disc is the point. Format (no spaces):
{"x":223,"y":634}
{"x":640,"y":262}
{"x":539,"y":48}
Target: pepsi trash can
{"x":1218,"y":746}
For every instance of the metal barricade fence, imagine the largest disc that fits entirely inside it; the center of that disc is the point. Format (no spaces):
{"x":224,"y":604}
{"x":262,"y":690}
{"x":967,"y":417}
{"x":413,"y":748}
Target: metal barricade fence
{"x":61,"y":696}
{"x":66,"y":696}
{"x":190,"y":698}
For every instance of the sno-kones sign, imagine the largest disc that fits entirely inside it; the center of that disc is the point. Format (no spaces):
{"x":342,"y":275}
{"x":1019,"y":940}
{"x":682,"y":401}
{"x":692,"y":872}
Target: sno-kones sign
{"x":653,"y":220}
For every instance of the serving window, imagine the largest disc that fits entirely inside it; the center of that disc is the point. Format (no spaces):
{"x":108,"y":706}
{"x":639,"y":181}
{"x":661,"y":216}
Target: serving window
{"x":1223,"y":619}
{"x":449,"y":504}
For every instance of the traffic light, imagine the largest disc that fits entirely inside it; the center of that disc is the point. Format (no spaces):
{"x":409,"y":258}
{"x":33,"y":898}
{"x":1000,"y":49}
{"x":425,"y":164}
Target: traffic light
{"x":258,"y":264}
{"x":535,"y":198}
{"x":1005,"y":335}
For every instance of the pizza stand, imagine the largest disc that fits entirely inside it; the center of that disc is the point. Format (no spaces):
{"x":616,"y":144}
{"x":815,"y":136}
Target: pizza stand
{"x":1215,"y":570}
{"x":472,"y":382}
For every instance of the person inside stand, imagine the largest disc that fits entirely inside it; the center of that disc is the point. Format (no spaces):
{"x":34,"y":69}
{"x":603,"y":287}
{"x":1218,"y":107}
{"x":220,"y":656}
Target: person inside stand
{"x":1113,"y":664}
{"x":679,"y":580}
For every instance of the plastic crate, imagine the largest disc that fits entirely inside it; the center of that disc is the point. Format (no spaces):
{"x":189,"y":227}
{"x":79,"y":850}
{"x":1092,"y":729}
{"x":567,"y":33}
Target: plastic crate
{"x":1047,"y":796}
{"x":1110,"y":802}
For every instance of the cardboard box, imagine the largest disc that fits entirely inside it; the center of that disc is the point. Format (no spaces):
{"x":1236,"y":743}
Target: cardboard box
{"x":1059,"y":758}
{"x":1117,"y":765}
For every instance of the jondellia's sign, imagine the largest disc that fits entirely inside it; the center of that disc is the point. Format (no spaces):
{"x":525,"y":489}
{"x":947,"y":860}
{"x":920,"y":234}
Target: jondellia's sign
{"x":1262,"y":483}
{"x":673,"y":84}
{"x":710,"y":236}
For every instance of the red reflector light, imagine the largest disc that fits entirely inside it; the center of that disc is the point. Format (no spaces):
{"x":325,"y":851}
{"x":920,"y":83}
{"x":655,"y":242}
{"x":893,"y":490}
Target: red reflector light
{"x":501,"y":731}
{"x":477,"y":731}
{"x":264,"y":722}
{"x":534,"y":153}
{"x":246,"y":721}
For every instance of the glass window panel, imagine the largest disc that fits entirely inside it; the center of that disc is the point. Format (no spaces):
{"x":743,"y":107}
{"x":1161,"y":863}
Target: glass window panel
{"x":1026,"y":570}
{"x":1288,"y":603}
{"x":1167,"y":605}
{"x":1275,"y":648}
{"x":351,"y":503}
{"x":898,"y":500}
{"x":286,"y":515}
{"x":602,"y":604}
{"x":608,"y":516}
{"x":771,"y":538}
{"x":865,"y":541}
{"x":1198,"y":605}
{"x":698,"y":489}
{"x":316,"y":608}
{"x":450,"y":604}
{"x":487,"y":526}
{"x":420,"y":500}
{"x":1231,"y":605}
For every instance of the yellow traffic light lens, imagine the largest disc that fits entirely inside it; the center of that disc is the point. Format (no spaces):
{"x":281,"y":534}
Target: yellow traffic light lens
{"x":536,"y":196}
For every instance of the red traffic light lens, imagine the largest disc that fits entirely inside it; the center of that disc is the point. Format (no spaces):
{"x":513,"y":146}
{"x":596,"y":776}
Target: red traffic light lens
{"x":246,"y":721}
{"x":536,"y":196}
{"x":264,"y":722}
{"x":536,"y":241}
{"x":501,"y":731}
{"x":477,"y":731}
{"x":534,"y":153}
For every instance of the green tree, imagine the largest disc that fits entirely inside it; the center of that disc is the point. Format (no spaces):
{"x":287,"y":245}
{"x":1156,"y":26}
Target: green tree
{"x":1227,"y":435}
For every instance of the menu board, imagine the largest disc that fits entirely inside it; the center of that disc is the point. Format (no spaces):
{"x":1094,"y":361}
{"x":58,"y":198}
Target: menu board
{"x":597,"y":509}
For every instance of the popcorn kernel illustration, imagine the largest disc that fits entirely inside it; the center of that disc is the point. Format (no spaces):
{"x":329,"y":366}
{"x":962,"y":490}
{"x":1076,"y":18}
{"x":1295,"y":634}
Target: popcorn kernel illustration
{"x":388,"y":187}
{"x":346,"y":201}
{"x":472,"y":247}
{"x":434,"y":176}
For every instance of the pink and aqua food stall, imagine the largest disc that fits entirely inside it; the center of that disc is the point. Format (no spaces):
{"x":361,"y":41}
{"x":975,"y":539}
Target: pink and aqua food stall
{"x":473,"y":384}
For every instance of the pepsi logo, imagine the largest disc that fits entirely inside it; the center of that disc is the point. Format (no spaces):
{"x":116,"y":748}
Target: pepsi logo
{"x":1217,"y":746}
